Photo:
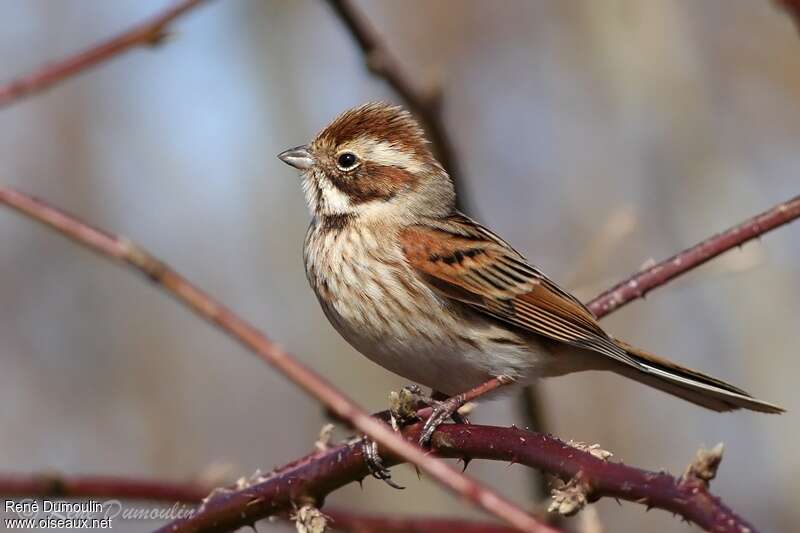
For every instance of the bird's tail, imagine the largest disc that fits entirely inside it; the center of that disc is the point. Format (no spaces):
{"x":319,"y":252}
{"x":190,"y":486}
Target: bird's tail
{"x":688,"y":384}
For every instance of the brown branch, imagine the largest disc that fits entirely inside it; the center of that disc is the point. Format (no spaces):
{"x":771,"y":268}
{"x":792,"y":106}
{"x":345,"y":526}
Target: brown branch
{"x":203,"y":305}
{"x":148,"y":33}
{"x":50,"y":485}
{"x":426,"y":105}
{"x":638,"y":285}
{"x":323,"y":472}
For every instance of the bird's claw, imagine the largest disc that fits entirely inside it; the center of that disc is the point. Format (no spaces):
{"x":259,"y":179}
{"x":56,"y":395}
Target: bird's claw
{"x":441,"y":412}
{"x":375,"y":464}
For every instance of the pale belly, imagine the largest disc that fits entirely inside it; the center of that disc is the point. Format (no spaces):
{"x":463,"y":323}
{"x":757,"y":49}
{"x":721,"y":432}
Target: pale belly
{"x":397,"y":321}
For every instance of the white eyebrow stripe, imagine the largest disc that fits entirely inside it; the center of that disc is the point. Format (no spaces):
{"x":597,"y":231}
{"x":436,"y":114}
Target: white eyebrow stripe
{"x":386,"y":153}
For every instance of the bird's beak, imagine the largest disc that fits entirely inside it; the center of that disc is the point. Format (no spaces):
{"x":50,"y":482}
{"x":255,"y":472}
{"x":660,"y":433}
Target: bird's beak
{"x":298,"y":157}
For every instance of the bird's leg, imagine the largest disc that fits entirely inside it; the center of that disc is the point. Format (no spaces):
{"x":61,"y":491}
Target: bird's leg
{"x":451,"y":405}
{"x":402,"y":410}
{"x":457,"y":417}
{"x":375,"y":464}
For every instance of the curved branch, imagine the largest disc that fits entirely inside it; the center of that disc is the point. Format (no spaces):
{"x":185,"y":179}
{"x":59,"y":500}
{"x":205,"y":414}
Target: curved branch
{"x":638,"y":285}
{"x":204,"y":306}
{"x":50,"y":485}
{"x":148,"y":33}
{"x":323,"y":472}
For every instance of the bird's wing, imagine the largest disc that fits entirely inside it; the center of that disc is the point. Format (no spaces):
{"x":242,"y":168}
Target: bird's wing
{"x":463,"y":261}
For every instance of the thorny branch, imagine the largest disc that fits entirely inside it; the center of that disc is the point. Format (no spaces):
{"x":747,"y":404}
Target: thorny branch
{"x":638,"y":285}
{"x":126,"y":252}
{"x":51,"y":485}
{"x":149,"y":33}
{"x":323,"y":472}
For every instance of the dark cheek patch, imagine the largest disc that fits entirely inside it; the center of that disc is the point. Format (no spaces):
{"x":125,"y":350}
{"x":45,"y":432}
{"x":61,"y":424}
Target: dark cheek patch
{"x":373,"y":182}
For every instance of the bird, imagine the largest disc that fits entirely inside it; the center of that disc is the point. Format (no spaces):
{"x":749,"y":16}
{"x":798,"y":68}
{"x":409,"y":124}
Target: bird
{"x":437,"y":298}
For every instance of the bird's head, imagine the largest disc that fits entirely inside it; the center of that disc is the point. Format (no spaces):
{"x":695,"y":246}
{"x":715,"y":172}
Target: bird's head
{"x":372,"y":162}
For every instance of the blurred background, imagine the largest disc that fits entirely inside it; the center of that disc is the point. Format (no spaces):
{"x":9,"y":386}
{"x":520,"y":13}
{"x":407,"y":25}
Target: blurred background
{"x":593,"y":136}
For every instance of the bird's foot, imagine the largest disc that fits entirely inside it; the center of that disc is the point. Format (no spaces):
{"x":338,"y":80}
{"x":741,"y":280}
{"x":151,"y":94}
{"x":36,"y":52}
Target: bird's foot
{"x":375,"y":464}
{"x":402,"y":411}
{"x":449,"y":407}
{"x":441,"y":412}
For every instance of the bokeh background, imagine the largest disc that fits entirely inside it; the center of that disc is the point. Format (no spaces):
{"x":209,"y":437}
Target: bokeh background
{"x":592,"y":135}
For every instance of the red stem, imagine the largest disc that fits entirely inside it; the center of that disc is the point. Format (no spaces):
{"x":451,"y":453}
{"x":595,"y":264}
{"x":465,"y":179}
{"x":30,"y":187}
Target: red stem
{"x":147,"y":33}
{"x":638,"y":285}
{"x":110,"y":487}
{"x":57,"y":486}
{"x":323,"y":472}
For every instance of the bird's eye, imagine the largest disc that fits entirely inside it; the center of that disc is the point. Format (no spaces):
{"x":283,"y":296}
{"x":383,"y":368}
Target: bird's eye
{"x":347,"y":161}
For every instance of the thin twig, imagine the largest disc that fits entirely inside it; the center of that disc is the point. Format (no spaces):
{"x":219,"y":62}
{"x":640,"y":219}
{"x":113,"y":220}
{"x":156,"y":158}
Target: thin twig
{"x":251,"y":338}
{"x":638,"y":285}
{"x":380,"y":60}
{"x":148,"y":33}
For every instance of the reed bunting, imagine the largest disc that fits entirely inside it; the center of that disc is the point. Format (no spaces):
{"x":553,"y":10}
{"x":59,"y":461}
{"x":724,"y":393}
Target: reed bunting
{"x":430,"y":294}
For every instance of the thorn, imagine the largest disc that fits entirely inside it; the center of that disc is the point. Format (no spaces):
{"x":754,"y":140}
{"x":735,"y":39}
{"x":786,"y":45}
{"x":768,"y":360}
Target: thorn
{"x":466,"y":461}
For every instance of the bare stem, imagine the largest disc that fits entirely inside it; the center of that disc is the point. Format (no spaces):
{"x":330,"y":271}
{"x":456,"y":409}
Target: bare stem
{"x":203,"y":305}
{"x":659,"y":274}
{"x":148,"y":33}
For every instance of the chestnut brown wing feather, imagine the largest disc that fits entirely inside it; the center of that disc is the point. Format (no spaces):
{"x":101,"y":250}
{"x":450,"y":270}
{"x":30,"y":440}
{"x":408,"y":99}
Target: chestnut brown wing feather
{"x":466,"y":262}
